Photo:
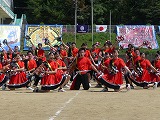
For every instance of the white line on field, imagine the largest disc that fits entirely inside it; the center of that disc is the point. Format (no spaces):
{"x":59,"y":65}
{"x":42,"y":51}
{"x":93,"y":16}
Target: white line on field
{"x":62,"y":108}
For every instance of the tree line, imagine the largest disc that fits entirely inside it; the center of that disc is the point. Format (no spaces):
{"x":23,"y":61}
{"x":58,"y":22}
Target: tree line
{"x":127,"y":12}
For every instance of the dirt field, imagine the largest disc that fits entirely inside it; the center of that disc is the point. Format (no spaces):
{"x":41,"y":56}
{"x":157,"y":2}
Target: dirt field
{"x":137,"y":104}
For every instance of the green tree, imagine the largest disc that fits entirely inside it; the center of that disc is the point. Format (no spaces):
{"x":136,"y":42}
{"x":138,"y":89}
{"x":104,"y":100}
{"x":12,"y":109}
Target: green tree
{"x":50,"y":11}
{"x":63,"y":11}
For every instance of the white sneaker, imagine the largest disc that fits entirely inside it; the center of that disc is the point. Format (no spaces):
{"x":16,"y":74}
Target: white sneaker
{"x":155,"y":85}
{"x":66,"y":86}
{"x":61,"y":90}
{"x":90,"y":85}
{"x":128,"y":87}
{"x":29,"y":88}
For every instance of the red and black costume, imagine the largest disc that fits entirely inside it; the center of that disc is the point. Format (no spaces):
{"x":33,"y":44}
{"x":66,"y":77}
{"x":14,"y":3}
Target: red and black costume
{"x":51,"y":81}
{"x":41,"y":56}
{"x":83,"y":64}
{"x":156,"y":77}
{"x":113,"y":79}
{"x":3,"y":77}
{"x":18,"y":79}
{"x":95,"y":54}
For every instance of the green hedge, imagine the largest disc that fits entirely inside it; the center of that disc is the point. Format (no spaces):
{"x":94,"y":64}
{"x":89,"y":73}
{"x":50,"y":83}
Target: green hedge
{"x":87,"y":38}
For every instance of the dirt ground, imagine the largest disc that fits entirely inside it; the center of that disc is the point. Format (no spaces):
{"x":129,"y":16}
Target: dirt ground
{"x":137,"y":104}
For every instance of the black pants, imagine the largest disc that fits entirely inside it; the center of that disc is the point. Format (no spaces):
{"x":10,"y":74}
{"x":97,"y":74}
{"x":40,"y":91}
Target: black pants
{"x":4,"y":81}
{"x":126,"y":77}
{"x":39,"y":62}
{"x":36,"y":80}
{"x":82,"y":79}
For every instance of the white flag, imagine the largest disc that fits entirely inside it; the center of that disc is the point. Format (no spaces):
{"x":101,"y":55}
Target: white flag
{"x":101,"y":28}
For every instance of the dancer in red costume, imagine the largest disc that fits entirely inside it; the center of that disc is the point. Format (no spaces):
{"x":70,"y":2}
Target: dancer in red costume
{"x":95,"y":52}
{"x":113,"y":79}
{"x":30,"y":66}
{"x":87,"y":51}
{"x":83,"y":65}
{"x":3,"y":76}
{"x":130,"y":56}
{"x":63,"y":52}
{"x":18,"y":77}
{"x":155,"y":77}
{"x":51,"y":79}
{"x":105,"y":70}
{"x":88,"y":55}
{"x":142,"y":76}
{"x":31,"y":63}
{"x":62,"y":69}
{"x":72,"y":51}
{"x":107,"y":47}
{"x":40,"y":54}
{"x":156,"y":63}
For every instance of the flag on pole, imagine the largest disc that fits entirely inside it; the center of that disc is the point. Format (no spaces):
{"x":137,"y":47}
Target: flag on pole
{"x":82,"y":28}
{"x":101,"y":28}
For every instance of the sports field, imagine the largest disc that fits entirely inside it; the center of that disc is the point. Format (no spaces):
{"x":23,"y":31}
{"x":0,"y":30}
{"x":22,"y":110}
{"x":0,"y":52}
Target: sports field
{"x":137,"y":104}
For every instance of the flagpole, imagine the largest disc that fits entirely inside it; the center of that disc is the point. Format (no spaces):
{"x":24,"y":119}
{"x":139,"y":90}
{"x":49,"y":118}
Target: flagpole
{"x":92,"y":18}
{"x":110,"y":26}
{"x":75,"y":27}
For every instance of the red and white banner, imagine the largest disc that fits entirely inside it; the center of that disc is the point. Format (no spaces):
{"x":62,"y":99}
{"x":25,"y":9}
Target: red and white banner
{"x":137,"y":35}
{"x":101,"y":28}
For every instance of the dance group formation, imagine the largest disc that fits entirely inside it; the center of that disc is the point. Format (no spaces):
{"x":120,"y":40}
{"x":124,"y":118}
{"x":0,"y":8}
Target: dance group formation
{"x":68,"y":66}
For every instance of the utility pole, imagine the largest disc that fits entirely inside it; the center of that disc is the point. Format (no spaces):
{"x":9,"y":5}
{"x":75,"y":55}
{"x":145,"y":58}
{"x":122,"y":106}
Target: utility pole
{"x":75,"y":27}
{"x":92,"y":18}
{"x":110,"y":24}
